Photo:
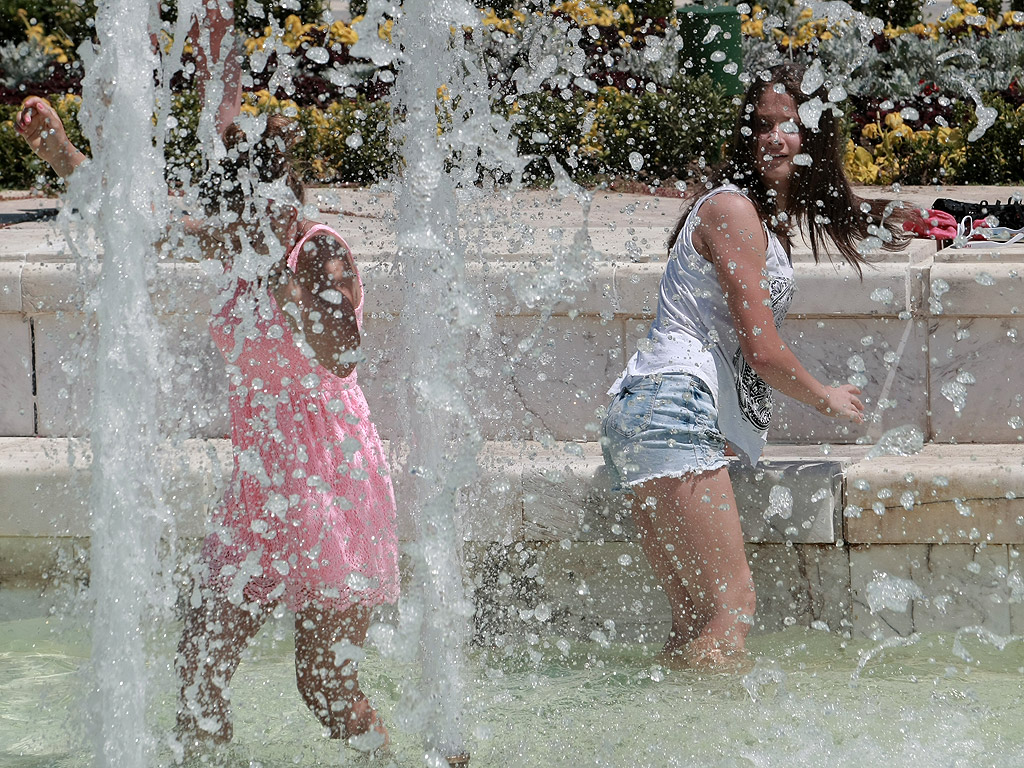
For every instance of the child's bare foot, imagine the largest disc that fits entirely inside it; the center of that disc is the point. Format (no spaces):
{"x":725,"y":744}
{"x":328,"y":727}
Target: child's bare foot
{"x":363,"y":727}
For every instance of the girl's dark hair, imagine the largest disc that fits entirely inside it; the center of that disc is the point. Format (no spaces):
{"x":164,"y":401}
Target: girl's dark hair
{"x":822,"y":202}
{"x":230,"y":183}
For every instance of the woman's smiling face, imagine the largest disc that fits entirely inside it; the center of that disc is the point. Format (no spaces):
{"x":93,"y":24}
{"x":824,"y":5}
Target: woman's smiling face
{"x":777,"y":140}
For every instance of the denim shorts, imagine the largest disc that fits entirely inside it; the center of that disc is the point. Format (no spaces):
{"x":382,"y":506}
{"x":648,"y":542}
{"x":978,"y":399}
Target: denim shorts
{"x":665,"y":425}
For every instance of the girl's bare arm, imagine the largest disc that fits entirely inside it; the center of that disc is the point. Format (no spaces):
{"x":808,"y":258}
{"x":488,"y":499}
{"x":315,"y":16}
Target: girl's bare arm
{"x":323,"y":291}
{"x":732,"y":237}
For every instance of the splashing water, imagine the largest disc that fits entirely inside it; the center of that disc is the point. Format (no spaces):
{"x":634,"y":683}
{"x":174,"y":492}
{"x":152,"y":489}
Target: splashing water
{"x":125,"y":208}
{"x":898,"y":441}
{"x":892,"y":593}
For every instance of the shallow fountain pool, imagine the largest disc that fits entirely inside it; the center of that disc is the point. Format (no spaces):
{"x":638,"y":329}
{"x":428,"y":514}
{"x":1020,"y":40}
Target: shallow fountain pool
{"x":810,"y":700}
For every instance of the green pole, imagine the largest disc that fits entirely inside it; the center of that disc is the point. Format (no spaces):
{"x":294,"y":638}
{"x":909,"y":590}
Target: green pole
{"x":712,"y":45}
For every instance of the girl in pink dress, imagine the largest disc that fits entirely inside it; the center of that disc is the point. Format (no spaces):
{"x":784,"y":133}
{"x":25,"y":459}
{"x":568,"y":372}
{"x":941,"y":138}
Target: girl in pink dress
{"x":308,"y":519}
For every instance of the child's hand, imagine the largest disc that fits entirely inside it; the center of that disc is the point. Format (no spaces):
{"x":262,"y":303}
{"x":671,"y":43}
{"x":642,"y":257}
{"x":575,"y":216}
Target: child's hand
{"x":41,"y":126}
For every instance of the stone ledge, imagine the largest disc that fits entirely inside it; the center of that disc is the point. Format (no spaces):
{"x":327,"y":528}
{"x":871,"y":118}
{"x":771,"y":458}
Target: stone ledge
{"x":946,"y":494}
{"x":525,"y":492}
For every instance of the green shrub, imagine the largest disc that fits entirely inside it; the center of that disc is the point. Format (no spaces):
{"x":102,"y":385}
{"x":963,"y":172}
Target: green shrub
{"x":647,"y":136}
{"x":998,"y":156}
{"x":350,"y":142}
{"x":897,"y":13}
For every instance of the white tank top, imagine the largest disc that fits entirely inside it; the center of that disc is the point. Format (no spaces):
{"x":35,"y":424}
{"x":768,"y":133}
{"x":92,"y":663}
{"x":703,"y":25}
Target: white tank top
{"x":693,"y":333}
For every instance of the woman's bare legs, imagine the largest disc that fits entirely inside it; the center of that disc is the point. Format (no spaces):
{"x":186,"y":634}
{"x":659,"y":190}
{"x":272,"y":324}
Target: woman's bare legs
{"x":215,"y":635}
{"x":328,"y":648}
{"x":690,"y":531}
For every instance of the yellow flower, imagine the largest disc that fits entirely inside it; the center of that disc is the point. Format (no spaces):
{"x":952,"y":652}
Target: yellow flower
{"x":860,"y":164}
{"x":294,"y":32}
{"x":871,"y":131}
{"x":384,"y":30}
{"x":893,"y":120}
{"x":1013,"y":19}
{"x":625,"y":14}
{"x":52,"y":44}
{"x":340,"y":32}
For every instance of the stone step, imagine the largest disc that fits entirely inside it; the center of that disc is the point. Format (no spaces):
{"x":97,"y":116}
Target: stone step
{"x":548,"y":544}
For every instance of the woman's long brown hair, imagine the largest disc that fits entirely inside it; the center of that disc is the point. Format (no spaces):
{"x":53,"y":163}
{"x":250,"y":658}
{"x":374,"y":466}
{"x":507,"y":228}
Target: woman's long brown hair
{"x":822,"y":204}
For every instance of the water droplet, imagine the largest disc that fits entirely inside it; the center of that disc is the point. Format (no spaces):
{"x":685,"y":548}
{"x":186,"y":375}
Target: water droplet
{"x":905,"y":440}
{"x":813,"y":79}
{"x":984,"y":278}
{"x":802,"y":159}
{"x":780,"y":503}
{"x":887,"y":592}
{"x":882,"y":295}
{"x":956,"y":393}
{"x":354,"y":140}
{"x":625,"y":560}
{"x":636,"y":161}
{"x":318,"y":55}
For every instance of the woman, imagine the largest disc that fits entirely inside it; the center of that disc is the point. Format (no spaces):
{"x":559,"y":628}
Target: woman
{"x":704,"y":376}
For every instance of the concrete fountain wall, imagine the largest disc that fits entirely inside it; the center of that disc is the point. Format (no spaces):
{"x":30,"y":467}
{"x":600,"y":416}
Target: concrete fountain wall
{"x":548,"y":546}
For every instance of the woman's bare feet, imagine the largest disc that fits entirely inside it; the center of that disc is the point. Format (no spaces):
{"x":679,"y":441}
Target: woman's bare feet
{"x":704,"y":654}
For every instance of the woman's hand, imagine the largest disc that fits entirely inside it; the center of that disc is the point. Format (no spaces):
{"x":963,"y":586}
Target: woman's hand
{"x":41,"y":126}
{"x":842,"y":403}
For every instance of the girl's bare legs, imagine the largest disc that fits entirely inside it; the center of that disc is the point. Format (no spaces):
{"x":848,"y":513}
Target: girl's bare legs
{"x":215,"y":635}
{"x":693,"y":531}
{"x":328,"y":678}
{"x":664,"y":561}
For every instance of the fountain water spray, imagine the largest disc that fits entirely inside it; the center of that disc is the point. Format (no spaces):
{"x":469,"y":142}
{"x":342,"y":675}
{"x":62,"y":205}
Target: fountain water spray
{"x":443,"y":436}
{"x":122,"y":195}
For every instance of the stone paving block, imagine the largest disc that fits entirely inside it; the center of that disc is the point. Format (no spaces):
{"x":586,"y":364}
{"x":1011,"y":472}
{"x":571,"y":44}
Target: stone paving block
{"x":65,"y":347}
{"x":974,"y":380}
{"x":829,"y":289}
{"x":45,"y":488}
{"x":17,"y":401}
{"x":901,"y":589}
{"x":800,"y":585}
{"x":789,"y":501}
{"x":53,"y":287}
{"x":546,"y":380}
{"x":870,"y":352}
{"x":10,"y":286}
{"x":567,"y":496}
{"x":977,"y":289}
{"x":943,"y":494}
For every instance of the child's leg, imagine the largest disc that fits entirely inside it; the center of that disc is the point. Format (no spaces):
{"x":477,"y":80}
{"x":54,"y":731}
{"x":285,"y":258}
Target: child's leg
{"x":215,"y":634}
{"x":327,"y":676}
{"x":696,"y":524}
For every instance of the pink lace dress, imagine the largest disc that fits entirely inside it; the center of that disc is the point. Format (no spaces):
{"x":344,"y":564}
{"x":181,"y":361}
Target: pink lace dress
{"x":309,"y":513}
